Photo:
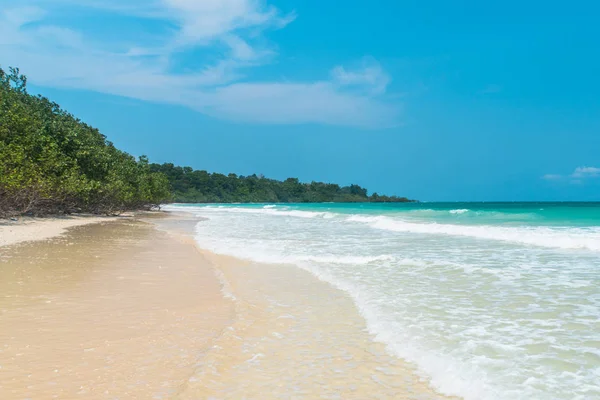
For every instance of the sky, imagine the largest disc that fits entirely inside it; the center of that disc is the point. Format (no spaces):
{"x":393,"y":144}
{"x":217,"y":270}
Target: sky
{"x":436,"y":100}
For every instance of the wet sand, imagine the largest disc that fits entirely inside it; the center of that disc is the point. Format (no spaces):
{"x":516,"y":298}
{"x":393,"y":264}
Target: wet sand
{"x":116,"y":310}
{"x":122,"y":310}
{"x":295,"y":337}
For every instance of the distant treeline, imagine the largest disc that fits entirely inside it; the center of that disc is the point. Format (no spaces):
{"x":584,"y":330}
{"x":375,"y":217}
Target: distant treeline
{"x":193,"y":186}
{"x":53,"y":163}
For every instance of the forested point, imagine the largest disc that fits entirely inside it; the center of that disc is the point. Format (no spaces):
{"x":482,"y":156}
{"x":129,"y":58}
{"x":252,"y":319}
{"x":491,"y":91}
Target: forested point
{"x":193,"y":186}
{"x":53,"y":163}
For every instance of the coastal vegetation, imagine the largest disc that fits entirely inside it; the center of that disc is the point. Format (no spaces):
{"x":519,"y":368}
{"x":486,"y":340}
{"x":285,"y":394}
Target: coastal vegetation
{"x":193,"y":186}
{"x":51,"y":163}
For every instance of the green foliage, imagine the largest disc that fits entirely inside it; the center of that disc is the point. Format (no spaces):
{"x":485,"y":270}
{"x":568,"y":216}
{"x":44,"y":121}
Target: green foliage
{"x":191,"y":186}
{"x":51,"y":162}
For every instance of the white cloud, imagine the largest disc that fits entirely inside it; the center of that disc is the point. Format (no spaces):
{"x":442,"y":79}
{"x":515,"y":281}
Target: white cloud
{"x":578,"y":176}
{"x":318,"y":102}
{"x":240,"y":49}
{"x":369,"y":75}
{"x":208,"y":19}
{"x":229,"y":35}
{"x":552,"y":177}
{"x":22,"y":15}
{"x":586,"y":172}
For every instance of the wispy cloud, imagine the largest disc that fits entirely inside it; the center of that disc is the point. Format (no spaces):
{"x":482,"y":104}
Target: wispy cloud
{"x":578,"y":176}
{"x":586,"y":172}
{"x":368,"y":75}
{"x":319,"y":102}
{"x":226,"y":40}
{"x":552,"y":177}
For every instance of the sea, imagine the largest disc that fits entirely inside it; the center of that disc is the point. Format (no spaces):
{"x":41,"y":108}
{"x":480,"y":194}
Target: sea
{"x":487,"y":300}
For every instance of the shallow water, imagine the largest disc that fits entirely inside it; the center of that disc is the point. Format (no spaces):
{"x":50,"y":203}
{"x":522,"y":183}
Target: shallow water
{"x":490,"y":301}
{"x":107,"y":311}
{"x":295,"y":337}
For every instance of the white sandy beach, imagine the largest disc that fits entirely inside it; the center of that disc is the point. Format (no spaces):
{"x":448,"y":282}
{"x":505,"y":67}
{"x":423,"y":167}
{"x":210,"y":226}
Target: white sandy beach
{"x":35,"y":229}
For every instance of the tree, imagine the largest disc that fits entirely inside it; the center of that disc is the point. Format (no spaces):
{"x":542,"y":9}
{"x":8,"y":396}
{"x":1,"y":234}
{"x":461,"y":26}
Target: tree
{"x":204,"y":187}
{"x":51,"y":162}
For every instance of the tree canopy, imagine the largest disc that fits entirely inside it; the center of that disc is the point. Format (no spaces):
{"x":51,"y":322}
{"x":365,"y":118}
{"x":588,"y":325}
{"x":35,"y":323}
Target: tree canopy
{"x":190,"y":186}
{"x":51,"y":162}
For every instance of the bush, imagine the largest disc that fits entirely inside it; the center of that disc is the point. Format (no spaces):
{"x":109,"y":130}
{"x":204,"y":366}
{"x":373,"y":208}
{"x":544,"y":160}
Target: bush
{"x":51,"y":162}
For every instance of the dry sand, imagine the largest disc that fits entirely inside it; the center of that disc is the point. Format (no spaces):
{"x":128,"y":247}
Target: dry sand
{"x":33,"y":229}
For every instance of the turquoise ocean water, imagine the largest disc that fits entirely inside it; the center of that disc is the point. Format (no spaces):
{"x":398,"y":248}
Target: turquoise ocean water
{"x":489,"y":300}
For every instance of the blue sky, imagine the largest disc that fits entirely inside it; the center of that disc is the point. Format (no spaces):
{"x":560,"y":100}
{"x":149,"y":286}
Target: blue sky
{"x":438,"y":100}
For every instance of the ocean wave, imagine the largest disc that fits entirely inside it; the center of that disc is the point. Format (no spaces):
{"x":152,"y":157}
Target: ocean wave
{"x":350,"y":260}
{"x":265,"y":210}
{"x":459,"y":211}
{"x":422,"y":295}
{"x":306,"y":214}
{"x":473,"y":214}
{"x":273,"y":257}
{"x":552,"y":237}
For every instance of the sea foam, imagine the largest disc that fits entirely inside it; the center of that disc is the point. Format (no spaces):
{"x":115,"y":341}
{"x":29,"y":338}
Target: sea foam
{"x":488,"y":312}
{"x":555,"y":237}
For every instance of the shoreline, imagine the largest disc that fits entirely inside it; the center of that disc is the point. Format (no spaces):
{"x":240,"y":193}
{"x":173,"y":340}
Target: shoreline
{"x":264,"y":296}
{"x":260,"y":330}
